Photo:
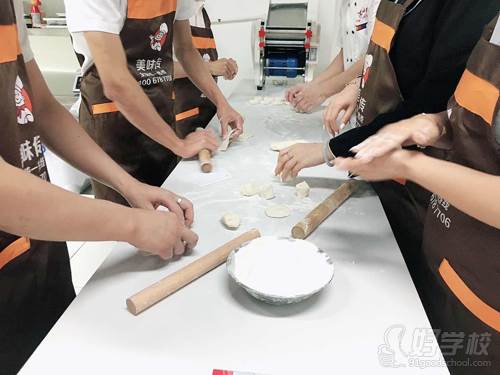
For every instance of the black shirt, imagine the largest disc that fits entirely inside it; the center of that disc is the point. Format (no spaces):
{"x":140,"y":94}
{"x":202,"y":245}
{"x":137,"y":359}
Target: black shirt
{"x":429,"y":54}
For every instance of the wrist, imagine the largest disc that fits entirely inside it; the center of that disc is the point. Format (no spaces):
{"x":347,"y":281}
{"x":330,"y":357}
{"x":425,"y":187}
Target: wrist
{"x":408,"y":167}
{"x":177,"y":146}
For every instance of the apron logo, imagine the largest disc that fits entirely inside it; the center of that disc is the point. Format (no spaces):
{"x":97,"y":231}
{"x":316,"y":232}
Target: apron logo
{"x":159,"y":38}
{"x":366,"y":70}
{"x":23,"y":104}
{"x":206,"y":57}
{"x":362,"y":20}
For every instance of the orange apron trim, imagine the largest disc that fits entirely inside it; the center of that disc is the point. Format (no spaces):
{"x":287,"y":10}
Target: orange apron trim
{"x":147,"y":9}
{"x":186,"y":114}
{"x":487,"y":314}
{"x":15,"y":249}
{"x":99,"y":109}
{"x":477,"y":95}
{"x":203,"y":43}
{"x":9,"y":47}
{"x":383,"y":35}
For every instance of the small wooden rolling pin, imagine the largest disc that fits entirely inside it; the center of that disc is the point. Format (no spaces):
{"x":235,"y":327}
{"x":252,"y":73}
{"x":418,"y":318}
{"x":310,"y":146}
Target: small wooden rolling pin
{"x":179,"y":279}
{"x":307,"y":225}
{"x":205,"y":158}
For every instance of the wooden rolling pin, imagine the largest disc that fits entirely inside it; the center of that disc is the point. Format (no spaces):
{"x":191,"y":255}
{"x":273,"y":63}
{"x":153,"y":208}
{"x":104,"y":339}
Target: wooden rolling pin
{"x":179,"y":279}
{"x":205,"y":158}
{"x":307,"y":225}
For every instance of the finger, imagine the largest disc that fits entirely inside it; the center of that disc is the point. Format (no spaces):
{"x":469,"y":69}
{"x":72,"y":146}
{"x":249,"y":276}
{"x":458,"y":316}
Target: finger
{"x":295,"y":170}
{"x":287,"y":169}
{"x":166,"y":201}
{"x":280,"y":164}
{"x":223,"y":127}
{"x":167,"y":253}
{"x":209,"y":145}
{"x":190,"y":238}
{"x":188,"y":210}
{"x":347,"y":116}
{"x":179,"y":248}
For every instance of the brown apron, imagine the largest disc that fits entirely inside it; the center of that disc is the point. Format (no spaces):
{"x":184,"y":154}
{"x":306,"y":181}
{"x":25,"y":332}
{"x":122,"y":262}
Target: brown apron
{"x":404,"y":202}
{"x":147,"y":37}
{"x":193,"y":109}
{"x":35,"y":276}
{"x":464,"y":253}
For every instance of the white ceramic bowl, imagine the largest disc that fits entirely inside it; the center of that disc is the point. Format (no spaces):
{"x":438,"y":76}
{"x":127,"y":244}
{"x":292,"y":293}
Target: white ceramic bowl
{"x":280,"y":278}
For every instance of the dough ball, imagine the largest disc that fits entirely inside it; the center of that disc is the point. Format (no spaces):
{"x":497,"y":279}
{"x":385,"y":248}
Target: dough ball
{"x":267,"y":192}
{"x":278,"y":211}
{"x":278,"y":146}
{"x":302,"y":190}
{"x":249,"y":190}
{"x":231,"y":220}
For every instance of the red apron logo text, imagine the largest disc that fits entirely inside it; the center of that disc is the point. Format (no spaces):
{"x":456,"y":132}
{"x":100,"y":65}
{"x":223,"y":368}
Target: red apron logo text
{"x":23,"y":104}
{"x":366,"y":70}
{"x":159,"y":38}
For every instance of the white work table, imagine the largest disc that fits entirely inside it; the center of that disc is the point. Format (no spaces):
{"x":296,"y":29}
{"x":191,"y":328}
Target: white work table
{"x":213,"y":323}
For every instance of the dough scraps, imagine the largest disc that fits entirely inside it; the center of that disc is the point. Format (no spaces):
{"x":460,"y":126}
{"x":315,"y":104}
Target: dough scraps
{"x":278,"y":211}
{"x":231,"y":220}
{"x":302,"y":190}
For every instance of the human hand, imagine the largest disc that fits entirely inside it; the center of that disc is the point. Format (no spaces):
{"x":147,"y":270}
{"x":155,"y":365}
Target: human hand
{"x":390,"y":166}
{"x":308,"y":99}
{"x":227,"y":68}
{"x":423,"y":130}
{"x":346,"y":101}
{"x":148,"y":197}
{"x":229,"y":117}
{"x":160,"y":233}
{"x":197,"y":141}
{"x":294,"y":90}
{"x":293,"y":159}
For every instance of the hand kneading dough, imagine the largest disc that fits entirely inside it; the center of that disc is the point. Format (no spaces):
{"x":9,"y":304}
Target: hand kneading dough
{"x":249,"y":190}
{"x":267,"y":192}
{"x":231,"y":221}
{"x":278,"y":211}
{"x":278,"y":146}
{"x":302,"y":190}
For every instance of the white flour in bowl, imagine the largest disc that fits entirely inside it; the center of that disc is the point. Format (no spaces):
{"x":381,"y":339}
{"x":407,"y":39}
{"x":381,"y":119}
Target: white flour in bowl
{"x":282,"y":267}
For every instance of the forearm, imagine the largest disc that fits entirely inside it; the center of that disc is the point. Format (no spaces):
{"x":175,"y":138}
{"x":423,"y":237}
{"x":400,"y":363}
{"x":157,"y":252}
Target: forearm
{"x":63,"y":135}
{"x":133,"y":103}
{"x":455,"y":183}
{"x":179,"y":71}
{"x":34,"y":208}
{"x":199,"y":73}
{"x":335,"y":84}
{"x":335,"y":68}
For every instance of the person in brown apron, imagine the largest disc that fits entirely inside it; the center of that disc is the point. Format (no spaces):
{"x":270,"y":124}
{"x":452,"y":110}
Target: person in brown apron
{"x":35,"y":276}
{"x":138,"y":132}
{"x":192,"y":108}
{"x":464,"y":253}
{"x":138,"y":154}
{"x":461,"y":248}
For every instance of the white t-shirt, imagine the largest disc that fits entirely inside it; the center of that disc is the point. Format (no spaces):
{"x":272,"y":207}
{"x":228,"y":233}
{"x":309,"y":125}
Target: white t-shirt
{"x":106,"y":16}
{"x":357,"y":21}
{"x":22,"y":31}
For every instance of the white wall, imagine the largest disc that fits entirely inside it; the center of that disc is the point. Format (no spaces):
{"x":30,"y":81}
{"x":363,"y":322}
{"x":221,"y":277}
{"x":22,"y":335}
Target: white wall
{"x":233,"y":39}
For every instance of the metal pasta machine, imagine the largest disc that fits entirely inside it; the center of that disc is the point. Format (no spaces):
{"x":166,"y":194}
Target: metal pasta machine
{"x":286,"y":41}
